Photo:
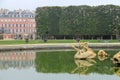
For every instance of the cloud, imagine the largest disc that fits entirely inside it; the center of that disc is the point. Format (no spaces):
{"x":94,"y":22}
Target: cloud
{"x":16,"y":4}
{"x":32,"y":4}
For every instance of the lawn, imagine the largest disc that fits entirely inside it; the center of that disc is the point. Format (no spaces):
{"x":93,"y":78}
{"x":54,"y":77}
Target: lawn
{"x":4,"y":42}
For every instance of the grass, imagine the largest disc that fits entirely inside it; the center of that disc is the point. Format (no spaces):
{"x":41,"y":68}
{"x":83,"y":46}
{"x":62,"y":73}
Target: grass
{"x":34,"y":41}
{"x":4,"y":42}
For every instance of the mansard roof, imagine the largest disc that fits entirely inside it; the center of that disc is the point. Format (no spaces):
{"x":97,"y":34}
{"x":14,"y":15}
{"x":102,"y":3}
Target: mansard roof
{"x":17,"y":14}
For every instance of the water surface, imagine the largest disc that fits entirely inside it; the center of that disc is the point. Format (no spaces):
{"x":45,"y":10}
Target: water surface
{"x":55,"y":65}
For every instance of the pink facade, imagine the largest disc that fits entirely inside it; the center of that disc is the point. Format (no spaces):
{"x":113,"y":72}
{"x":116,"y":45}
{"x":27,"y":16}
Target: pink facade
{"x":8,"y":36}
{"x":17,"y":24}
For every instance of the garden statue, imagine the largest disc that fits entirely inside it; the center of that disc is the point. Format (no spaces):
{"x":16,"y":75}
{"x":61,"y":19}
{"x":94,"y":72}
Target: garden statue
{"x":83,"y":51}
{"x":26,"y":37}
{"x":26,"y":40}
{"x":102,"y":55}
{"x":116,"y":59}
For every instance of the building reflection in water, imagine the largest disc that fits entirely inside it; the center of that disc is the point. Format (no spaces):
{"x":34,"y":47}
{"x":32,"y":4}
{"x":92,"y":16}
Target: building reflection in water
{"x":25,"y":59}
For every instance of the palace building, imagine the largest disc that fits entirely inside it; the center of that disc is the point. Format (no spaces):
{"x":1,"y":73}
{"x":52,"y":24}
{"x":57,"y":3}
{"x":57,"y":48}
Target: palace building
{"x":15,"y":24}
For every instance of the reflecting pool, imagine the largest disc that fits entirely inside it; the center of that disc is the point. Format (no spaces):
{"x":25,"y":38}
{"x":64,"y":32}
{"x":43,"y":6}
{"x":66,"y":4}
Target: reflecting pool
{"x":55,"y":65}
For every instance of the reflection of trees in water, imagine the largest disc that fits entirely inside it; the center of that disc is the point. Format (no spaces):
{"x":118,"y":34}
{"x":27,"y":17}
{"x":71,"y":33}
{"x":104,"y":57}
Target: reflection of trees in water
{"x":17,"y":59}
{"x":63,"y":62}
{"x":54,"y":62}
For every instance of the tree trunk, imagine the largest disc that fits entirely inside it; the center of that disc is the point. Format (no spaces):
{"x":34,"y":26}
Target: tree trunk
{"x":118,"y":37}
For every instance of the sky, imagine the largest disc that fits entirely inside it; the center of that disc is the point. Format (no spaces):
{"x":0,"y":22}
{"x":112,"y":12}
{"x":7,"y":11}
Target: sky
{"x":33,"y":4}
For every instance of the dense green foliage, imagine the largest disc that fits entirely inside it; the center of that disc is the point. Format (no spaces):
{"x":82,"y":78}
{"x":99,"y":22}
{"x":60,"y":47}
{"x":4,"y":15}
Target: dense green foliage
{"x":82,"y":20}
{"x":47,"y":20}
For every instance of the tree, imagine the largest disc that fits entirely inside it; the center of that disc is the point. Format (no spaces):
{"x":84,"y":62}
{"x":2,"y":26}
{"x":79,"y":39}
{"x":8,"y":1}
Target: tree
{"x":79,"y":20}
{"x":42,"y":20}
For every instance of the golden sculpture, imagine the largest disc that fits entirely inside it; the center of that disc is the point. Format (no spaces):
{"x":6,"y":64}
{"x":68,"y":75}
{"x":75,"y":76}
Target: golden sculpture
{"x":83,"y":51}
{"x":102,"y":55}
{"x":116,"y":59}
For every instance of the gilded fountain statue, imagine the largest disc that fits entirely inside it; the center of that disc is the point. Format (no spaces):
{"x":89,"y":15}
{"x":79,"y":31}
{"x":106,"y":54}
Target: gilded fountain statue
{"x":84,"y":58}
{"x":83,"y":51}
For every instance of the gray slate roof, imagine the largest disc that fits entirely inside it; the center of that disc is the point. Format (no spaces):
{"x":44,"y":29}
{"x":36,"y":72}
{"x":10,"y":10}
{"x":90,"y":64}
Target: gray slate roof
{"x":16,"y":14}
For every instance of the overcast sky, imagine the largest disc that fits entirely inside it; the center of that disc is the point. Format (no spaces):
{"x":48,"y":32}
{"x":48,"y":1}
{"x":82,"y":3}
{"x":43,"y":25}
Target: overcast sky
{"x":33,"y":4}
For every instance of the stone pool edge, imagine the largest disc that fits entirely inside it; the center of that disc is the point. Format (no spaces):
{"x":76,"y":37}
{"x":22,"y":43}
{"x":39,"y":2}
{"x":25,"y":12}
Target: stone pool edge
{"x":57,"y":46}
